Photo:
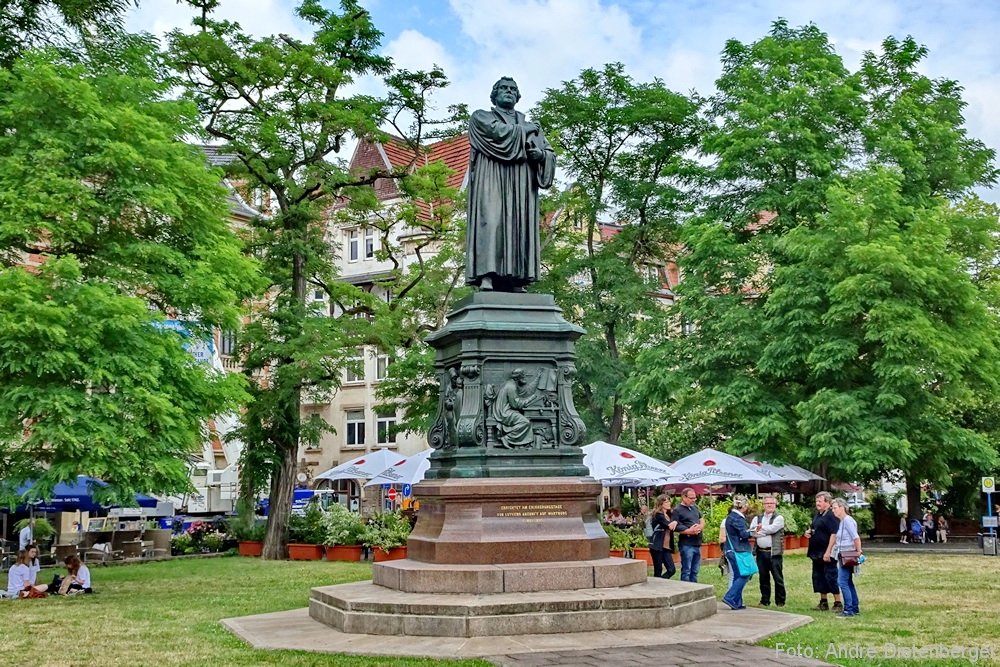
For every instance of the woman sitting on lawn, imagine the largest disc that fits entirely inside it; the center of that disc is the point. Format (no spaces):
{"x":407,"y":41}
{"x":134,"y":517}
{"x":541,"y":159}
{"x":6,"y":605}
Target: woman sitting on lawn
{"x":78,"y":575}
{"x":21,"y":579}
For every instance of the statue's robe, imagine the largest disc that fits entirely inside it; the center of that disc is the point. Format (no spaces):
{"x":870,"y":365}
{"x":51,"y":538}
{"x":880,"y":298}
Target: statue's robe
{"x":502,"y":236}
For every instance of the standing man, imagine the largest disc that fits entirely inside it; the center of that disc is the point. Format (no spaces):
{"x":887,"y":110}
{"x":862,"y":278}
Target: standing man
{"x":769,"y":530}
{"x":27,"y":535}
{"x":822,"y":536}
{"x":688,"y":530}
{"x":509,"y":161}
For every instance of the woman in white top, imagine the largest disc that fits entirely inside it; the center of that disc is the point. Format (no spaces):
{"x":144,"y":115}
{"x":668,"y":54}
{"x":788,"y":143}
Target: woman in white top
{"x":33,"y":563}
{"x":847,"y":539}
{"x":20,"y":579}
{"x":78,"y":573}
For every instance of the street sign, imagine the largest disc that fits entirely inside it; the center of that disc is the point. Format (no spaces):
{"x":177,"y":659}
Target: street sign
{"x":385,"y":487}
{"x":989,"y":485}
{"x":407,"y":491}
{"x":391,"y":494}
{"x":991,"y":522}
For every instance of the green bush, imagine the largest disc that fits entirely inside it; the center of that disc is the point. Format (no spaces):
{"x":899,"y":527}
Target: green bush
{"x":246,"y":528}
{"x":43,"y":528}
{"x":307,"y":527}
{"x":714,"y":514}
{"x":386,"y":531}
{"x":212,"y":542}
{"x":619,"y":538}
{"x":865,"y":519}
{"x":341,"y":526}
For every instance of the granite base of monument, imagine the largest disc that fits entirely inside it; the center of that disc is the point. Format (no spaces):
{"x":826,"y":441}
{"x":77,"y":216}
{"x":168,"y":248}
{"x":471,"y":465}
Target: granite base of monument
{"x":367,"y":608}
{"x":509,"y":556}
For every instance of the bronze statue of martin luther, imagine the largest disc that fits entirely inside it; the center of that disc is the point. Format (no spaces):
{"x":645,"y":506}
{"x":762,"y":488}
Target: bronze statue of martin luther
{"x":508,"y":162}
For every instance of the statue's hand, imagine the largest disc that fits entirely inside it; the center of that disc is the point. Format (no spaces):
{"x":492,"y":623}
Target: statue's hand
{"x":531,"y":128}
{"x":535,"y":154}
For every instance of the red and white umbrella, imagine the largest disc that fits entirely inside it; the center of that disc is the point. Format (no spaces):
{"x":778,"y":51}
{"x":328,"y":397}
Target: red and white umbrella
{"x":710,"y":466}
{"x":406,"y":470}
{"x":365,"y":466}
{"x":619,"y":466}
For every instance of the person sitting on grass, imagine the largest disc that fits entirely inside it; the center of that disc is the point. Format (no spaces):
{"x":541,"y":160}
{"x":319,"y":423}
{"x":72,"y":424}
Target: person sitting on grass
{"x":77,"y":579}
{"x":21,"y":579}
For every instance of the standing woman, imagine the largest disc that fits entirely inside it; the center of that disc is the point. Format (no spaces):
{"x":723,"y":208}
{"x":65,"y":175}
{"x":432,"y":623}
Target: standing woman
{"x":848,"y":539}
{"x":737,"y":540}
{"x":661,"y":546}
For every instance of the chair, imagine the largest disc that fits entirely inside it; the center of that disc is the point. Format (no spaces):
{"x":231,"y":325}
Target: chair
{"x":7,"y":555}
{"x":102,"y":553}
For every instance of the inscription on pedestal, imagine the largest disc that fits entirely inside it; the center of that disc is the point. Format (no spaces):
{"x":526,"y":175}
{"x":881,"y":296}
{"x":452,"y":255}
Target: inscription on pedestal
{"x":528,"y":512}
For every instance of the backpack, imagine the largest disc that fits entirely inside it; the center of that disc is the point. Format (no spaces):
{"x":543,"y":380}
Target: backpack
{"x":916,"y":527}
{"x":648,"y":528}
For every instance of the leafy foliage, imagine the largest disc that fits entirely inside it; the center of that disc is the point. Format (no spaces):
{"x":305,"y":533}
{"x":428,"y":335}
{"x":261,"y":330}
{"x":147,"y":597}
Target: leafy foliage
{"x":837,"y":297}
{"x":280,"y":106}
{"x":127,"y":223}
{"x":342,"y":526}
{"x":386,"y":531}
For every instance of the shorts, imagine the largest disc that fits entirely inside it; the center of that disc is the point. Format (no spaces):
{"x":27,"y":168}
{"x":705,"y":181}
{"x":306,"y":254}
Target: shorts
{"x":824,"y":577}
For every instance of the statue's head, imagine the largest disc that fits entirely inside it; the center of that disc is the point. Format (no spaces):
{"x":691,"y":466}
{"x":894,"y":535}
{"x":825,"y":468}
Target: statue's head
{"x":517,"y":374}
{"x":505,"y":85}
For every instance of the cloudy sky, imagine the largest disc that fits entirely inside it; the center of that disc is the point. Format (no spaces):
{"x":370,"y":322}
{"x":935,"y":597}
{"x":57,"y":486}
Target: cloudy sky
{"x":544,"y":42}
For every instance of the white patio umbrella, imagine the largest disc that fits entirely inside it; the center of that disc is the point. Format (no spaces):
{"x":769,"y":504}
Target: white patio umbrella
{"x":710,"y":466}
{"x":620,"y":466}
{"x":365,"y":466}
{"x":408,"y":470}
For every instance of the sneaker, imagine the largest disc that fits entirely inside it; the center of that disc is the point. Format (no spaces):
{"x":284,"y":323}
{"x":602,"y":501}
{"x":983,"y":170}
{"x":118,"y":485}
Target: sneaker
{"x":838,"y":606}
{"x":844,"y":614}
{"x":822,"y":606}
{"x":780,"y":604}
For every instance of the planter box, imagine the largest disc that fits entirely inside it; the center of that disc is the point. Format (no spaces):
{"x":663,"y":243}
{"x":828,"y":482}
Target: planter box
{"x":251,"y":548}
{"x":642,"y":553}
{"x":344,"y":552}
{"x":711,"y":550}
{"x":616,"y":553}
{"x":305,"y":551}
{"x":397,"y":553}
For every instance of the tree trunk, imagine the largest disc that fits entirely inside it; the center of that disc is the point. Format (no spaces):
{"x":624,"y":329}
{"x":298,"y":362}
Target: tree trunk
{"x":283,"y":477}
{"x":913,"y":510}
{"x":280,"y":505}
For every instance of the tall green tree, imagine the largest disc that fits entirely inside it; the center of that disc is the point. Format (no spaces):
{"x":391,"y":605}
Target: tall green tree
{"x":623,"y":144}
{"x":108,"y":224}
{"x":65,"y":24}
{"x":833,"y":316}
{"x":284,"y":108}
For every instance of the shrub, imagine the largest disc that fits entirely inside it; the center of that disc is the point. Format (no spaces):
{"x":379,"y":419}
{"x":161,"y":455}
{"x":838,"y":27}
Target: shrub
{"x":341,"y":526}
{"x":246,"y":528}
{"x":386,"y":531}
{"x":308,"y":527}
{"x":619,"y":538}
{"x":211,"y":542}
{"x":43,"y":528}
{"x":865,"y":519}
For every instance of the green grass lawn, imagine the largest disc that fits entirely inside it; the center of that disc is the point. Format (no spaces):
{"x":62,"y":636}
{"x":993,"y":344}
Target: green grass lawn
{"x":167,"y":613}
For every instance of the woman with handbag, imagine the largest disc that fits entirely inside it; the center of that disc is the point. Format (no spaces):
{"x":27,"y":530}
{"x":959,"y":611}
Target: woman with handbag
{"x":661,"y":544}
{"x":848,"y":557}
{"x":738,"y":553}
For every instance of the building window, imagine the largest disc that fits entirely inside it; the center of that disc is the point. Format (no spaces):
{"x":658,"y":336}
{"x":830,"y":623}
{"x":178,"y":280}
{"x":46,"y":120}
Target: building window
{"x":319,"y":295}
{"x":355,"y":367}
{"x":369,"y":242}
{"x":353,"y":246}
{"x":355,"y":428}
{"x":227,"y":343}
{"x":385,"y":427}
{"x":381,"y":366}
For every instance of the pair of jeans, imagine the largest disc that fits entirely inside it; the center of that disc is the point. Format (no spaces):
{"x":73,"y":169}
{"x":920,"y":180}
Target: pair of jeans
{"x":690,"y":562}
{"x":734,"y":596}
{"x":845,"y":578}
{"x":663,"y":560}
{"x":771,"y":566}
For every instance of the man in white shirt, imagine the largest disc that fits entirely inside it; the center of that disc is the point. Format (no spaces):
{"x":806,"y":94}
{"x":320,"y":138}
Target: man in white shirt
{"x":27,"y":535}
{"x":769,"y":530}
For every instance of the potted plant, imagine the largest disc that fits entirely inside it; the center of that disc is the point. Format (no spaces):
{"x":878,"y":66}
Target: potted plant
{"x":714,"y":515}
{"x":43,"y":528}
{"x":306,"y":534}
{"x":640,"y":545}
{"x":619,"y":540}
{"x":386,"y":535}
{"x":342,"y":535}
{"x":248,"y":534}
{"x":791,"y":527}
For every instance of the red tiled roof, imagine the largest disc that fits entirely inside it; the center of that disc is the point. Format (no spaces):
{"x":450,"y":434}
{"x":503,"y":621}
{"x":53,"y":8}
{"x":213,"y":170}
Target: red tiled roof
{"x":453,"y":152}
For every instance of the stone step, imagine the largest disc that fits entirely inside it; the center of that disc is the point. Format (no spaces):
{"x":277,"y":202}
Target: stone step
{"x":365,"y":608}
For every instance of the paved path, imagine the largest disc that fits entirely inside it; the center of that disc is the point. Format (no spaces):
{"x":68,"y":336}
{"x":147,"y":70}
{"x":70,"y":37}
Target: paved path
{"x":664,"y":655}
